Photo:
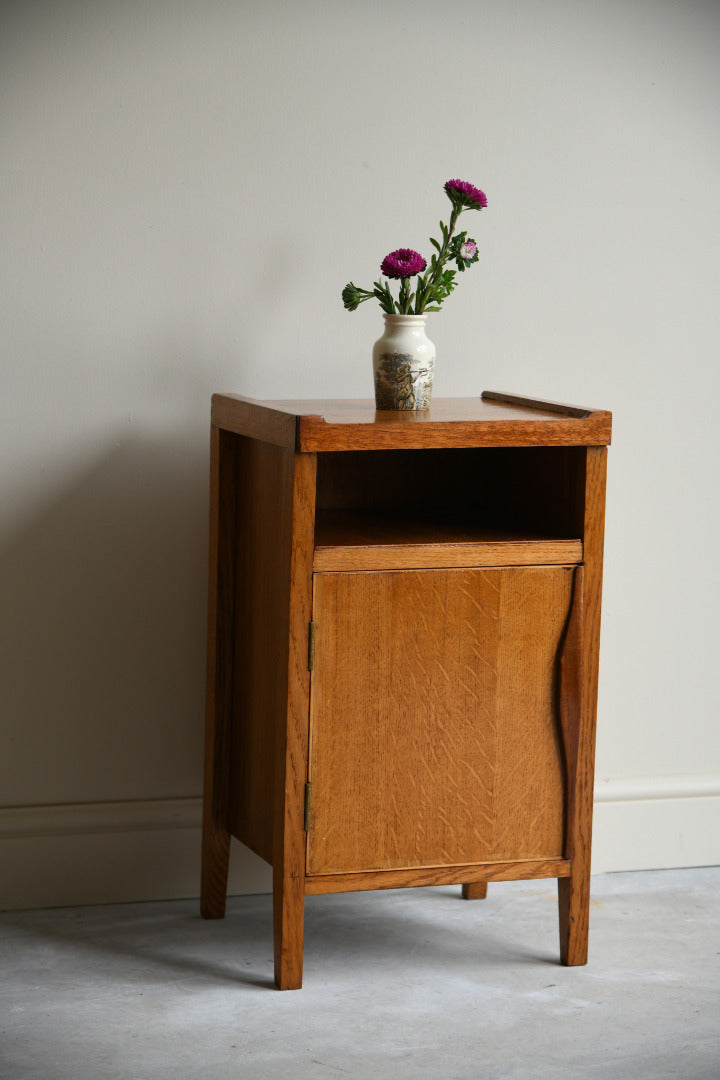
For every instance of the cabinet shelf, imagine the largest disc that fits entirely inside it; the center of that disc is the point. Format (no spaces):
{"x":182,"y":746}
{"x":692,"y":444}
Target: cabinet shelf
{"x":347,"y":540}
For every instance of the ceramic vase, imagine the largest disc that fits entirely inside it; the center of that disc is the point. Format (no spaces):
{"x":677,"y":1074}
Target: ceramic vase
{"x":403,"y":364}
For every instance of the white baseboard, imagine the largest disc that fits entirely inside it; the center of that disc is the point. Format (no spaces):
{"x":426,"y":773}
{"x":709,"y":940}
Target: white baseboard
{"x":656,"y":822}
{"x":104,"y":853}
{"x":98,"y":853}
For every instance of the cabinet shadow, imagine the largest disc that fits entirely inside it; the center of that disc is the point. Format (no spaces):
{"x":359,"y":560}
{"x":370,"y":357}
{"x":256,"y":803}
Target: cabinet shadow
{"x":102,"y":634}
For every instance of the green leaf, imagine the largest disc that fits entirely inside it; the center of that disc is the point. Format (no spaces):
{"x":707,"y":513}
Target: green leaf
{"x":384,"y":296}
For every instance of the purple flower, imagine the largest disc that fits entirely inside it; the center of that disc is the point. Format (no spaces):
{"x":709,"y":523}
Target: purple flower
{"x":403,"y":263}
{"x":468,"y":249}
{"x":463,"y":194}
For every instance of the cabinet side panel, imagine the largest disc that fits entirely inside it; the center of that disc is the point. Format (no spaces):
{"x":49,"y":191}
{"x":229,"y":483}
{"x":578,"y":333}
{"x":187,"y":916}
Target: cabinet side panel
{"x":263,"y":532}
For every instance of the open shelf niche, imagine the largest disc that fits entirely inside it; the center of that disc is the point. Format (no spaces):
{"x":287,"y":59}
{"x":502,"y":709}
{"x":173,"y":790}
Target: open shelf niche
{"x":385,"y":509}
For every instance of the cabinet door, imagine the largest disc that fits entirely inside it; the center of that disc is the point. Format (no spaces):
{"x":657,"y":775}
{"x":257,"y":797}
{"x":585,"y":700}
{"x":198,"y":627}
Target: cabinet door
{"x":433,"y":717}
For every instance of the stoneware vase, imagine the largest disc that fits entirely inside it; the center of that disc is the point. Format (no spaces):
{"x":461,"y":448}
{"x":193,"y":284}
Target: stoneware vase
{"x":403,"y":364}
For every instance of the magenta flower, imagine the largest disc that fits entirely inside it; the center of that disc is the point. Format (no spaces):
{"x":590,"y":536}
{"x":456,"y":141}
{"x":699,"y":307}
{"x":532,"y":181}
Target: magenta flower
{"x":463,"y":194}
{"x":403,"y":263}
{"x":434,"y":283}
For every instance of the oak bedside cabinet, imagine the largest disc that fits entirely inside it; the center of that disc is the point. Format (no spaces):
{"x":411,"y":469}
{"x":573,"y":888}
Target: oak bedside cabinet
{"x":404,"y":618}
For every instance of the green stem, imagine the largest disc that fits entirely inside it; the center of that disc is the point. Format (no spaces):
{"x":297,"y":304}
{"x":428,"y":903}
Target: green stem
{"x":429,"y":279}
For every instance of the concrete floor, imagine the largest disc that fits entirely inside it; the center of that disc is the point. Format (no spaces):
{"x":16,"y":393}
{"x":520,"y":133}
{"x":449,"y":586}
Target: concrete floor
{"x":405,"y":984}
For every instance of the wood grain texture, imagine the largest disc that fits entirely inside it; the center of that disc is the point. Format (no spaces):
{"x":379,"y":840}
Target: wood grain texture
{"x":574,"y":892}
{"x":373,"y":540}
{"x":570,"y":700}
{"x":528,"y":785}
{"x":536,"y":404}
{"x":254,"y":419}
{"x":325,"y":425}
{"x":292,"y":739}
{"x":220,"y":649}
{"x":522,"y":870}
{"x":315,"y":433}
{"x":263,"y":543}
{"x":432,"y":712}
{"x":265,"y":610}
{"x":440,"y":556}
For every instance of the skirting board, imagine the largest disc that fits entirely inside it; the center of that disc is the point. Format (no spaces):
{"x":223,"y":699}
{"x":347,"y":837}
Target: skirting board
{"x":96,"y":853}
{"x":656,"y":823}
{"x":106,"y":853}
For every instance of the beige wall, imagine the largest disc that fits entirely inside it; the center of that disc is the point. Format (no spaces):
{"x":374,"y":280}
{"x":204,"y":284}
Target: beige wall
{"x":185,"y":188}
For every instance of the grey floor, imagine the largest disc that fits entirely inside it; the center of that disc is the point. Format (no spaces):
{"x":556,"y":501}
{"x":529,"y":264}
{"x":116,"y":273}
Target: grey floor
{"x":410,"y":983}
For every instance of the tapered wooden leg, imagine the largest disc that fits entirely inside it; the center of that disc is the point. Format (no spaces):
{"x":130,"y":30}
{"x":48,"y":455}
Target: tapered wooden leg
{"x":574,"y":891}
{"x":215,"y":863}
{"x":476,"y":891}
{"x":289,"y":921}
{"x":292,"y":741}
{"x":574,"y":911}
{"x":578,"y":699}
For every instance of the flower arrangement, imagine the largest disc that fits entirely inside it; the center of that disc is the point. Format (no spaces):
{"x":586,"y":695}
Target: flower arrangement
{"x":434,"y":282}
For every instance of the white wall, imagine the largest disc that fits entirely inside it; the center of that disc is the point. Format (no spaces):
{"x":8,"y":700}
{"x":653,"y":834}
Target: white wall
{"x":185,"y":189}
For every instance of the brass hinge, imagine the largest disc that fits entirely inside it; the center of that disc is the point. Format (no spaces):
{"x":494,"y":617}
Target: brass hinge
{"x":311,"y":646}
{"x":308,"y":796}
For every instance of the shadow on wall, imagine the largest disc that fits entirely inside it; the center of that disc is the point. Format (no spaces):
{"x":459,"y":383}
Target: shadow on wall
{"x":102,"y":633}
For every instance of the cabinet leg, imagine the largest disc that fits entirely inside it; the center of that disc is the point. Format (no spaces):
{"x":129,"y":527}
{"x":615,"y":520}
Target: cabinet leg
{"x":289,"y":920}
{"x":476,"y":891}
{"x":214,"y":877}
{"x":574,"y":912}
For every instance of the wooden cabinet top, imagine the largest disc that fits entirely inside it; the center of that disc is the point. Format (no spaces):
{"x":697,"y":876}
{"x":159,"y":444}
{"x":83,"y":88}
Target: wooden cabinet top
{"x":493,"y":419}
